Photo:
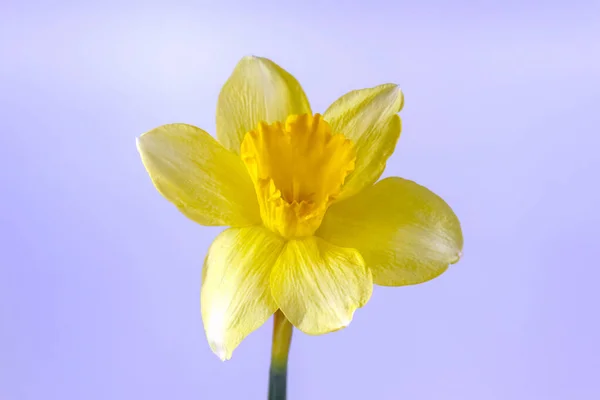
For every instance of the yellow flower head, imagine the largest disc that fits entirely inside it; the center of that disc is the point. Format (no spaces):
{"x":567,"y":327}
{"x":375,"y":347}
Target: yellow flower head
{"x":311,"y":231}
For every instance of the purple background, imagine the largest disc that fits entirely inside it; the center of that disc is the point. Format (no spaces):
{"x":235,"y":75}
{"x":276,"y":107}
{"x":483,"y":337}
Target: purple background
{"x":100,"y":276}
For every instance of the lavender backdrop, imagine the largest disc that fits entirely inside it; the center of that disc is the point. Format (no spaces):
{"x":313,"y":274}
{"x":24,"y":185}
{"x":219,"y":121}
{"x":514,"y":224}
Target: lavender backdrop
{"x":100,"y":276}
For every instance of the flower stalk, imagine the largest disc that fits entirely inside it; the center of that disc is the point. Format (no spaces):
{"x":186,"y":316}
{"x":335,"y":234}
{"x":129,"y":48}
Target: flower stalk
{"x":282,"y":338}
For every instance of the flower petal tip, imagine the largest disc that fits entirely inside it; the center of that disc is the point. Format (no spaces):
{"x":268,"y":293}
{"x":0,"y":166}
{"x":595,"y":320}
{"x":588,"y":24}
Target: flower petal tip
{"x":394,"y":93}
{"x":252,"y":58}
{"x":219,"y":349}
{"x":343,"y":324}
{"x":140,"y":143}
{"x":139,"y":146}
{"x":345,"y":321}
{"x":457,"y":258}
{"x":398,"y":93}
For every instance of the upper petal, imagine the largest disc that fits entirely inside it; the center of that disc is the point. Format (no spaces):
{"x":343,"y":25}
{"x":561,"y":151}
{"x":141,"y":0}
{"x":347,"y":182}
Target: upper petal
{"x":208,"y":183}
{"x":369,"y":118}
{"x":236,"y":297}
{"x":318,"y":286}
{"x":257,"y":90}
{"x":405,"y":232}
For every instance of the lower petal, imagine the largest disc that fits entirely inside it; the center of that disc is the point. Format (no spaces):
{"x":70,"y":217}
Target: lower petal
{"x":318,"y":286}
{"x":236,"y":297}
{"x":406,"y":233}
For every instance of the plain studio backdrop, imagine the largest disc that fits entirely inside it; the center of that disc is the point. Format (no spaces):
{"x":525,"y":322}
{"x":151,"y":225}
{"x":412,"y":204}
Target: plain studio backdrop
{"x":100,"y":275}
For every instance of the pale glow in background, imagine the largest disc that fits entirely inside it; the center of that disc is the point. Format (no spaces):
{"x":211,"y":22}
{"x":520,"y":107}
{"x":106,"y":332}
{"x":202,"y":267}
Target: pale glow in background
{"x":100,"y":276}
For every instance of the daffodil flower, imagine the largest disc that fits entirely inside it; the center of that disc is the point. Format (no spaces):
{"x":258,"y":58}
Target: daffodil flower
{"x":311,"y":229}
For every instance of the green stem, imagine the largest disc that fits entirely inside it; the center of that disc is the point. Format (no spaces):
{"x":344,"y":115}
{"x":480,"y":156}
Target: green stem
{"x":282,"y":337}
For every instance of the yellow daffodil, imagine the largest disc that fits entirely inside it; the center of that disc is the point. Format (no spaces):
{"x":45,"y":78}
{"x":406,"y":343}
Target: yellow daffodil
{"x":310,"y":229}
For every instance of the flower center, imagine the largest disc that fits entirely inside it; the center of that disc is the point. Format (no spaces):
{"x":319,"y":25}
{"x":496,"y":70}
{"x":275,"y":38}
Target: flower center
{"x":298,"y":169}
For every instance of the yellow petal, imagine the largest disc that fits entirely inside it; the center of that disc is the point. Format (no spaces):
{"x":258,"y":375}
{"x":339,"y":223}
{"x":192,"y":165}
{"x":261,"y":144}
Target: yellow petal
{"x":318,"y":286}
{"x":258,"y":90}
{"x":405,"y":233}
{"x":369,"y":118}
{"x":236,"y":297}
{"x":208,"y":183}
